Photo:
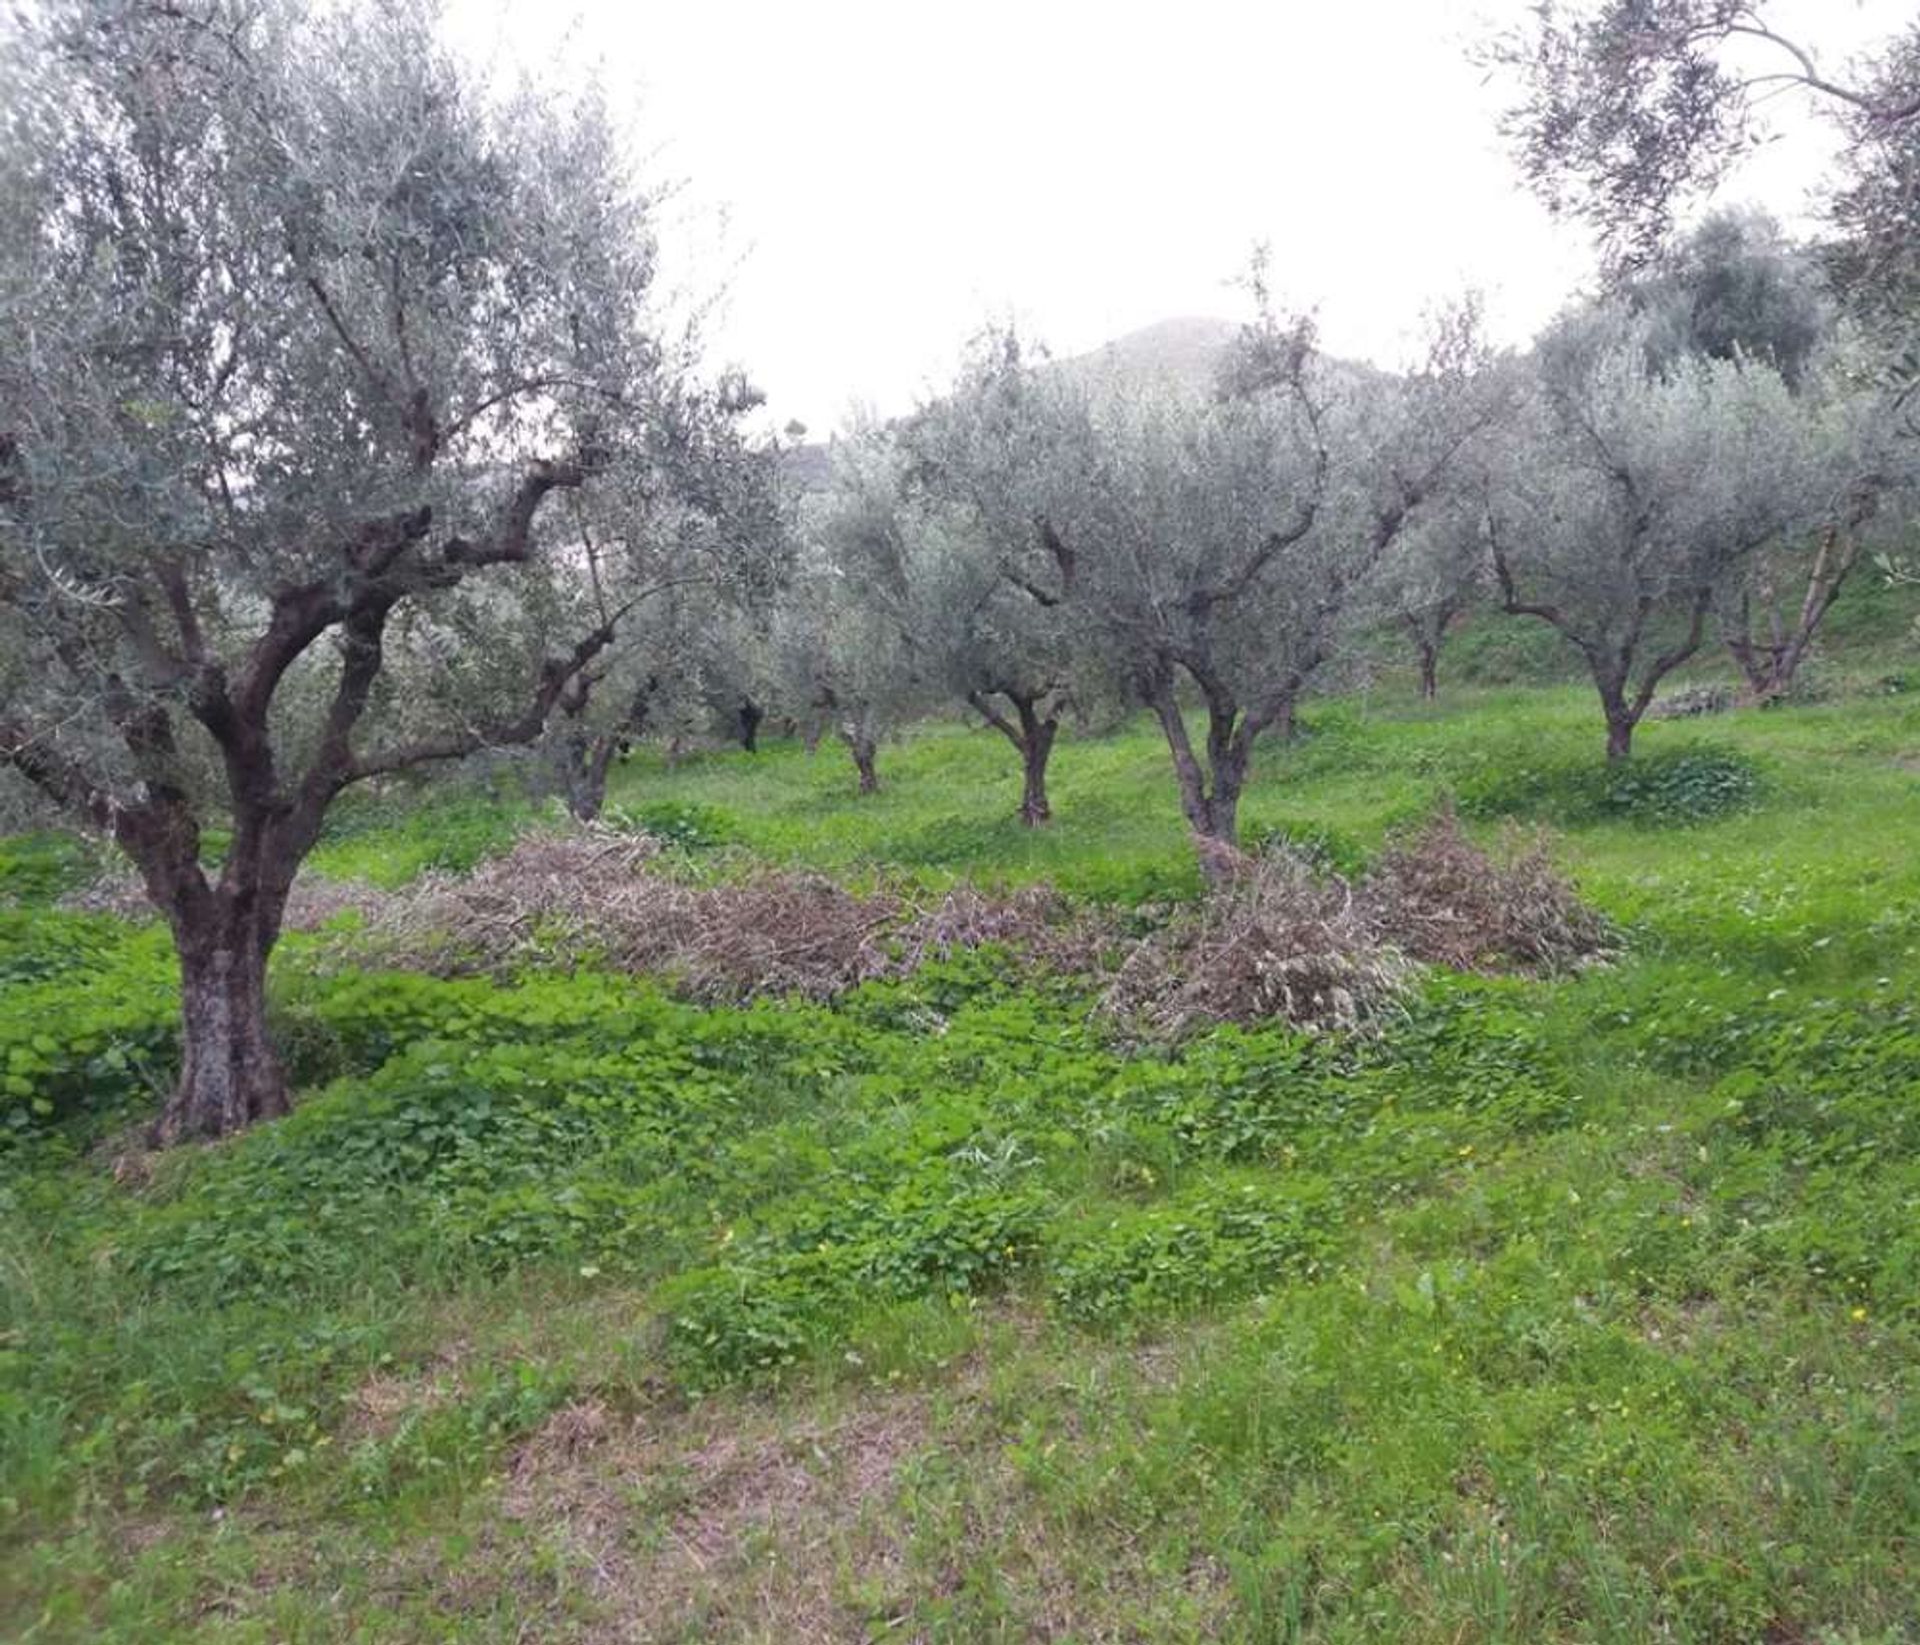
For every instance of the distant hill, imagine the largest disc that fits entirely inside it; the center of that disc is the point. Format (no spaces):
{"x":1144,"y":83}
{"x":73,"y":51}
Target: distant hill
{"x":1185,"y":351}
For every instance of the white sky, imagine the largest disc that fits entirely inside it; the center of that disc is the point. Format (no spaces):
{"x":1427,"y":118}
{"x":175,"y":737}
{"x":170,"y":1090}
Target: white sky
{"x":871,"y":182}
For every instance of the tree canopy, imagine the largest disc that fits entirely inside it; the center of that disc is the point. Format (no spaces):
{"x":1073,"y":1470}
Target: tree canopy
{"x":302,"y":332}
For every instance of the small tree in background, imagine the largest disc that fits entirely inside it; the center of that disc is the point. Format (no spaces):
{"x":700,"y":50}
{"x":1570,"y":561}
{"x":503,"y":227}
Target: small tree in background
{"x":302,"y":333}
{"x":1016,"y":651}
{"x":1438,"y":578}
{"x":682,"y":554}
{"x":1623,"y":497}
{"x":842,"y":646}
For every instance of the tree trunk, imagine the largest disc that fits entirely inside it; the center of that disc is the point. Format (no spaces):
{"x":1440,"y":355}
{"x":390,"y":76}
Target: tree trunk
{"x":751,"y":714}
{"x":230,"y":1074}
{"x":1770,"y":664}
{"x":1426,"y":645}
{"x":1223,"y":805}
{"x":1033,"y":738}
{"x":1209,"y":794}
{"x":1034,"y":806}
{"x":1620,"y":723}
{"x":1769,"y":669}
{"x":585,"y":763}
{"x":864,"y":751}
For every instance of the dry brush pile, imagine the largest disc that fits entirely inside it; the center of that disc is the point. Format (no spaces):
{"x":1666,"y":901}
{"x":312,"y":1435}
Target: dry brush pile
{"x":604,"y":899}
{"x":1274,"y":940}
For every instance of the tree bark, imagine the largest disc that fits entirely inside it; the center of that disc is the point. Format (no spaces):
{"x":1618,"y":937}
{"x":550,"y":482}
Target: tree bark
{"x":230,"y":1074}
{"x":1429,"y":671}
{"x":1223,"y":805}
{"x":1771,"y":663}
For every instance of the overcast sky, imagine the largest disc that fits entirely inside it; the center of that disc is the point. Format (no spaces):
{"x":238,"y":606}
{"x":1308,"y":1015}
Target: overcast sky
{"x":872,"y":182}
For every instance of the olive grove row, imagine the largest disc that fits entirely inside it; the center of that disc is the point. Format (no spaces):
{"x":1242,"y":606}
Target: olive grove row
{"x":345,"y":431}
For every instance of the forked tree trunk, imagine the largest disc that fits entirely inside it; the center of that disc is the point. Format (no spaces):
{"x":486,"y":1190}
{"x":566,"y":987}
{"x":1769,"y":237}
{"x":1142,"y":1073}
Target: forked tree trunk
{"x":1032,"y":735}
{"x":230,"y":1074}
{"x":1768,"y":671}
{"x":1210,"y":793}
{"x":1611,"y":657}
{"x":1770,"y":662}
{"x":1429,"y":669}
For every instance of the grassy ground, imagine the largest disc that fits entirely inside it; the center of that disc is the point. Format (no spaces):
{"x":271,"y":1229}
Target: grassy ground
{"x":1581,"y":1310}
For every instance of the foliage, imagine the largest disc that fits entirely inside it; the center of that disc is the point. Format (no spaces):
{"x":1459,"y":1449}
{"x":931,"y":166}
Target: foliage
{"x":1607,"y":1256}
{"x":309,"y":333}
{"x":1672,"y":788}
{"x":1626,"y":494}
{"x":37,"y":868}
{"x":685,"y":824}
{"x":1627,"y":108}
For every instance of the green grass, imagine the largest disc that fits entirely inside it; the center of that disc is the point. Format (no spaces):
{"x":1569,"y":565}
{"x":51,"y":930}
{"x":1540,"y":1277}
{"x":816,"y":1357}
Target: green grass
{"x":1559,"y":1311}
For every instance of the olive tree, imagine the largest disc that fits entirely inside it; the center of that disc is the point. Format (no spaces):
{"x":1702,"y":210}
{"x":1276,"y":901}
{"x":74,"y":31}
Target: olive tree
{"x":1853,"y":461}
{"x":979,"y":465}
{"x":688,"y":547}
{"x":302,"y":334}
{"x":842,"y":647}
{"x":1227,"y":545}
{"x":1437,"y":578}
{"x":1622,"y":497}
{"x":1734,"y":286}
{"x":1627,"y":110}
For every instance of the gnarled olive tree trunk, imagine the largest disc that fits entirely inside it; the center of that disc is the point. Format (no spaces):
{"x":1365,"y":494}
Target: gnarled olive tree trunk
{"x":224,"y":930}
{"x":1210,"y":790}
{"x":1770,"y":647}
{"x":1032,"y":731}
{"x":230,"y":1074}
{"x":585,"y":762}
